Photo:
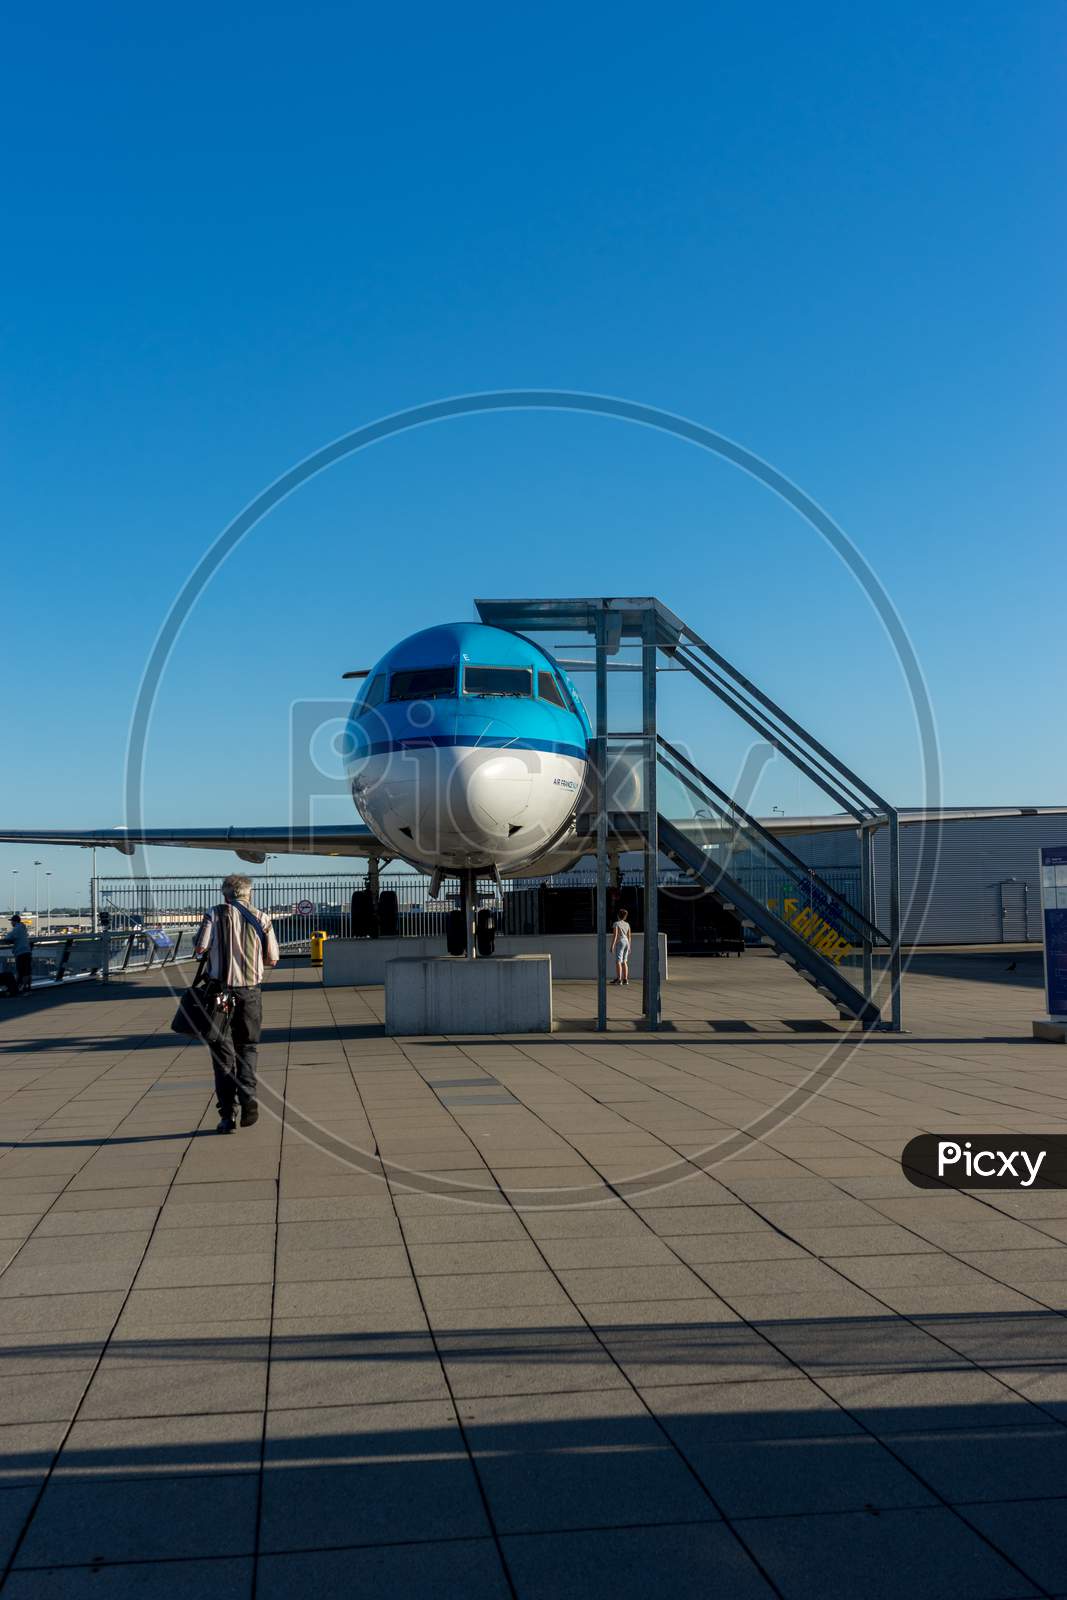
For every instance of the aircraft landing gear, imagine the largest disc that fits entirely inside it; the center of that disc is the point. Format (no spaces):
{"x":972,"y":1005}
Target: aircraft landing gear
{"x":468,"y":900}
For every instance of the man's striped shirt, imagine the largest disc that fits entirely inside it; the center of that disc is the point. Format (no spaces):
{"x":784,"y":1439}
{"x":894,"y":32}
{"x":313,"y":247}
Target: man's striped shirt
{"x":224,"y":926}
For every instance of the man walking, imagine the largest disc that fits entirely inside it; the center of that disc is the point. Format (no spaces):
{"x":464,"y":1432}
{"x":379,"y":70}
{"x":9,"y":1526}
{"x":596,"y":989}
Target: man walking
{"x":239,"y":942}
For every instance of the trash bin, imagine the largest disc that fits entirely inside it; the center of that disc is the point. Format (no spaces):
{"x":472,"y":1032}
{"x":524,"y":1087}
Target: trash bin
{"x":317,"y":942}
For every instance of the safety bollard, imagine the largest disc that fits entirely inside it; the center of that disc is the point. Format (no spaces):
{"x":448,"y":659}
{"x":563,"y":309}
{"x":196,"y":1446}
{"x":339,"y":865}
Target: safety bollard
{"x":317,"y":942}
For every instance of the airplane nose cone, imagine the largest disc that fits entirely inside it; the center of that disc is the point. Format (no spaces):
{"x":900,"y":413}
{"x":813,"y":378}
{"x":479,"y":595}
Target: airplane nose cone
{"x":493,"y":791}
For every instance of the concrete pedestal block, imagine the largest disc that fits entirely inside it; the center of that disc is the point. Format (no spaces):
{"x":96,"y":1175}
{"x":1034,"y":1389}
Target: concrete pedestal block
{"x":1052,"y":1029}
{"x":448,"y":994}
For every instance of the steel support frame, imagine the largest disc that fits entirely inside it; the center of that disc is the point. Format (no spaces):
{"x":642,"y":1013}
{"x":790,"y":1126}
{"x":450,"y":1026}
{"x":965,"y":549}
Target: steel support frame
{"x":896,"y":1006}
{"x":651,"y":975}
{"x":867,"y":904}
{"x":600,"y":746}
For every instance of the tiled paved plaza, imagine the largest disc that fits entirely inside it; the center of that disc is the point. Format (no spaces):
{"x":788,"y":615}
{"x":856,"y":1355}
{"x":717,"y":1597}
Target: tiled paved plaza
{"x":250,"y":1366}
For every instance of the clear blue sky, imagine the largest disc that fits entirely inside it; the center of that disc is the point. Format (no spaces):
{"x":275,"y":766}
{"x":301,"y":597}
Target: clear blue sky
{"x":833,"y":233}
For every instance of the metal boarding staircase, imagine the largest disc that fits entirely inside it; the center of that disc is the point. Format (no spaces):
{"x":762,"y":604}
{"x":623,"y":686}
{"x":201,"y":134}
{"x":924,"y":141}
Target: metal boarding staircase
{"x":808,"y":924}
{"x":681,"y":812}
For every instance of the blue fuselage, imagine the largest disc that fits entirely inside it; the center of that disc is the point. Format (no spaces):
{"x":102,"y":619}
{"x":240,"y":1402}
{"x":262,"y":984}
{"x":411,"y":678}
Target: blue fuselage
{"x":467,"y":747}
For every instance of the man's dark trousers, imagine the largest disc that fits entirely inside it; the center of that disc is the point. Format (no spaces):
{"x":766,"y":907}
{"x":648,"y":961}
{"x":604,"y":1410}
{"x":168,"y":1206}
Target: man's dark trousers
{"x":234,"y":1057}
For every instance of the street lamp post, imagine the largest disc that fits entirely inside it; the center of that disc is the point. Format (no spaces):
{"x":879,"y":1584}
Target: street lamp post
{"x":268,"y":908}
{"x":36,"y":901}
{"x":14,"y":899}
{"x":48,"y":901}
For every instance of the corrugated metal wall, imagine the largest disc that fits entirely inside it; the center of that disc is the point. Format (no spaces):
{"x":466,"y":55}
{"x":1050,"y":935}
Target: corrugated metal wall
{"x":962,"y":898}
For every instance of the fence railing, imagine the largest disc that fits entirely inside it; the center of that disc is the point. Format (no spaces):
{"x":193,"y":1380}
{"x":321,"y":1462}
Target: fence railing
{"x":300,"y":906}
{"x":60,"y":958}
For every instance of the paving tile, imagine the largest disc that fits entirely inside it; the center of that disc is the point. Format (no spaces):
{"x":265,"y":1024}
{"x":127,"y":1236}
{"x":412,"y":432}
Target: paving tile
{"x":925,"y":1554}
{"x":467,"y":1567}
{"x":508,"y":1255}
{"x":123,"y":1198}
{"x":254,"y":1238}
{"x":59,"y":1351}
{"x":600,"y":1284}
{"x":524,"y":1362}
{"x":1031,"y":1533}
{"x":187,"y":1191}
{"x":300,"y":1265}
{"x":200,"y":1367}
{"x":987,"y":1463}
{"x":693,"y":1353}
{"x":158,"y":1446}
{"x":839,"y":1303}
{"x":701,"y":1416}
{"x":1044,"y":1386}
{"x":334,"y":1208}
{"x":860,"y":1344}
{"x":933,"y":1269}
{"x":31,"y":1205}
{"x":731,"y":1218}
{"x":238,"y":1214}
{"x":895,"y":1402}
{"x":632,"y":1251}
{"x":20,"y":1281}
{"x":696,"y":1311}
{"x":490,"y":1289}
{"x":120,"y":1219}
{"x":971,"y":1299}
{"x":780,"y":1477}
{"x":479,"y":1319}
{"x":1002,"y":1340}
{"x":577,"y":1461}
{"x":701,"y":1560}
{"x":206,"y":1271}
{"x":54,"y":1313}
{"x":586,"y":1222}
{"x":463,"y":1230}
{"x":149,"y":1311}
{"x":79,"y":1523}
{"x":346,"y":1296}
{"x":126,"y":1248}
{"x":356,"y":1370}
{"x":350,"y":1475}
{"x":346,"y":1233}
{"x":41,"y":1396}
{"x":701,"y":1248}
{"x":856,"y":1241}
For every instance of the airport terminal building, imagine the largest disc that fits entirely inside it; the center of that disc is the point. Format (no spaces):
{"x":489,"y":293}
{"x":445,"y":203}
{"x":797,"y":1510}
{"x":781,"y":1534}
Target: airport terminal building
{"x":967,"y":875}
{"x":972,"y":880}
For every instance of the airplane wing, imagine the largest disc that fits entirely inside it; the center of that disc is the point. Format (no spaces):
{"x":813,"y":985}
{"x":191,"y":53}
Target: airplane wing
{"x":251,"y":844}
{"x":908,"y":816}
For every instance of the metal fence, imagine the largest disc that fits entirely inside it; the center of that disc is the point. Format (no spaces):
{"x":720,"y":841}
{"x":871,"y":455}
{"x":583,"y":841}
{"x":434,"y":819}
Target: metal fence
{"x":60,"y":958}
{"x":300,"y":905}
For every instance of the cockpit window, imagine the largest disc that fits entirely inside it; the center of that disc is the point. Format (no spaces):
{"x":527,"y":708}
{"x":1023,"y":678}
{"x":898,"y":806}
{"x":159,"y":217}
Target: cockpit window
{"x":373,"y":695}
{"x":549,"y":689}
{"x":423,"y":683}
{"x":514,"y":682}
